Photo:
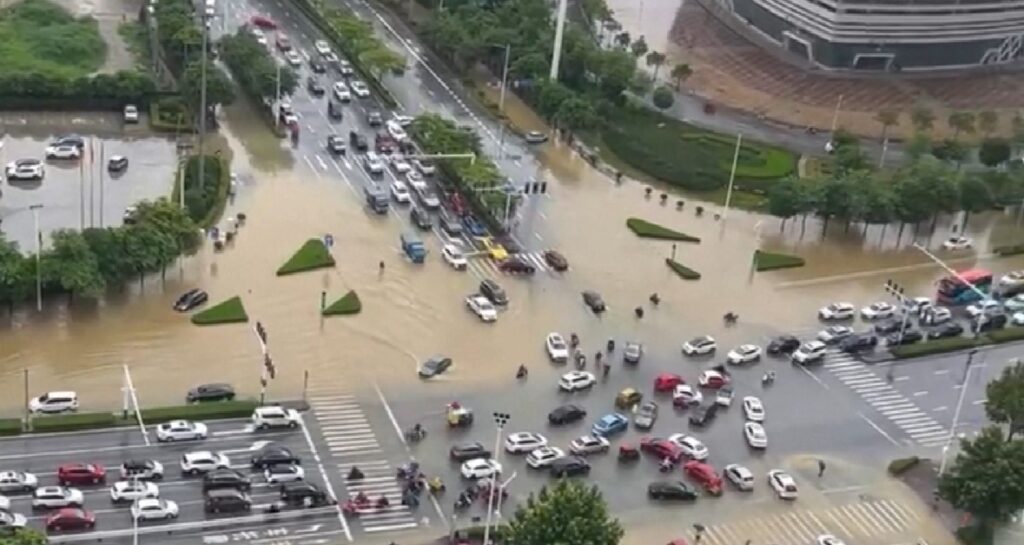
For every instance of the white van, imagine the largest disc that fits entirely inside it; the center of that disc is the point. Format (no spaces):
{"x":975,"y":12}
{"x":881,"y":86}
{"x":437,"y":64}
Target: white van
{"x":54,"y":402}
{"x":396,"y":131}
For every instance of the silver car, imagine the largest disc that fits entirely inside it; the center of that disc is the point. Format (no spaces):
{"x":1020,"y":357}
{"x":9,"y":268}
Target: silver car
{"x":646,"y":415}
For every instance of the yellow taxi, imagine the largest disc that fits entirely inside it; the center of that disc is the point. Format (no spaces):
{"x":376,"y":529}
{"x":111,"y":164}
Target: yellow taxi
{"x":493,"y":249}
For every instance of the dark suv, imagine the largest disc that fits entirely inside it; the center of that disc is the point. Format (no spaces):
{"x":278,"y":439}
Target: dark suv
{"x":210,"y":392}
{"x":858,"y":343}
{"x":227,"y":500}
{"x":226,"y":478}
{"x":303,"y":493}
{"x":358,"y":141}
{"x":491,"y":290}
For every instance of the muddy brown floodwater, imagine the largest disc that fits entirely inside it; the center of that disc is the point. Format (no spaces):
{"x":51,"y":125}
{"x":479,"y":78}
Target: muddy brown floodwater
{"x":411,"y":312}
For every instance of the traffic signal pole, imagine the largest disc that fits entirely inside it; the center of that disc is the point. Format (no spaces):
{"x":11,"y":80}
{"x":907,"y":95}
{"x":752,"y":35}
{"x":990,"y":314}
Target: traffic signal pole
{"x":267,"y":371}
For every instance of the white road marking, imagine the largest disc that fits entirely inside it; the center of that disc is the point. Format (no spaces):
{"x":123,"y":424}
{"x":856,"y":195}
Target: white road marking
{"x":327,"y":482}
{"x":311,"y":166}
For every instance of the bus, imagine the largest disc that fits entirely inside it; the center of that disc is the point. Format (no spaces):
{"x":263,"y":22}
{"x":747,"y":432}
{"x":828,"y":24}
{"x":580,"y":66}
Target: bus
{"x":954,"y":290}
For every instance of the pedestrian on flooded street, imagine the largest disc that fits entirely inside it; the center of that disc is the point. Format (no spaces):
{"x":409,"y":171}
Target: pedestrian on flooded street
{"x":821,"y":468}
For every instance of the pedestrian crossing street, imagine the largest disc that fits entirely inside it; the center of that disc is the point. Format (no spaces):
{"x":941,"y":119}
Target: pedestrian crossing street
{"x":886,"y":399}
{"x":483,"y":267}
{"x":876,"y":521}
{"x":351,"y":442}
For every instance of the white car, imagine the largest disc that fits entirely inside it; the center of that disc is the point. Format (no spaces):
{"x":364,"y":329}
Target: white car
{"x":396,"y":131}
{"x":744,"y":353}
{"x":63,"y":151}
{"x":740,"y":476}
{"x":576,"y":380}
{"x":783,"y":484}
{"x":293,"y":58}
{"x":54,"y":402}
{"x":877,"y":311}
{"x":126,"y":491}
{"x":428,"y":198}
{"x":686,"y":394}
{"x":322,"y":47}
{"x":1014,"y":303}
{"x":479,"y":468}
{"x":691,"y":446}
{"x":154,"y":509}
{"x":283,"y":473}
{"x":1013,"y":278}
{"x":482,"y":307}
{"x":202,"y":461}
{"x":711,"y":378}
{"x":524,"y":441}
{"x":453,"y":256}
{"x":374,"y":163}
{"x":400,"y":192}
{"x":936,"y":316}
{"x":556,"y":346}
{"x":56,"y":497}
{"x":18,"y":481}
{"x":699,"y":346}
{"x":258,"y":34}
{"x":181,"y":430}
{"x":589,"y":444}
{"x":400,"y":165}
{"x":834,"y":333}
{"x":542,"y":457}
{"x":957,"y":243}
{"x":755,"y":434}
{"x":24,"y":169}
{"x":5,"y":503}
{"x":987,"y":306}
{"x":837,"y":311}
{"x":1017,"y":319}
{"x":403,"y":120}
{"x":828,"y":539}
{"x":753,"y":409}
{"x":416,"y":181}
{"x":809,"y":351}
{"x":917,"y":305}
{"x":341,"y":91}
{"x":360,"y":89}
{"x":147,"y":470}
{"x":273,"y":416}
{"x":424,"y":166}
{"x":131,"y":113}
{"x":12,"y":520}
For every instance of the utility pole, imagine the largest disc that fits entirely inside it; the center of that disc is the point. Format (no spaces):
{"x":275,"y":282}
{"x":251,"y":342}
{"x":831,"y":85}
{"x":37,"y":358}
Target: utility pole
{"x":28,"y":412}
{"x":277,"y":100}
{"x":556,"y":55}
{"x":39,"y":249}
{"x":500,"y":419}
{"x":103,"y":162}
{"x":501,"y":102}
{"x":956,"y":414}
{"x":202,"y":102}
{"x":732,"y":176}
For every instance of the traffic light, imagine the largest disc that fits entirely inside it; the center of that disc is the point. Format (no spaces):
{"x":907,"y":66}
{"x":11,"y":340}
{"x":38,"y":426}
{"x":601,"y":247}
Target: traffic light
{"x":261,"y":332}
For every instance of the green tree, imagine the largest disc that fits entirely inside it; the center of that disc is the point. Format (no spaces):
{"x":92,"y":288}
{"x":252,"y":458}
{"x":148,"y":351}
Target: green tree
{"x":219,"y":89}
{"x":962,"y":122}
{"x":836,"y":200}
{"x":623,"y":40}
{"x":879,"y":201}
{"x":922,"y":118}
{"x":988,"y":121}
{"x":784,"y":199}
{"x":975,"y":196}
{"x":951,"y":150}
{"x":16,"y":274}
{"x":71,"y":266}
{"x":108,"y":246}
{"x":987,"y":477}
{"x":22,"y":536}
{"x":575,"y":114}
{"x":994,"y":152}
{"x":1005,"y":398}
{"x":1017,"y":123}
{"x":887,"y":118}
{"x":680,"y":73}
{"x":639,"y":47}
{"x":569,"y":513}
{"x":663,"y":97}
{"x":382,"y":59}
{"x":920,"y":145}
{"x":656,"y":60}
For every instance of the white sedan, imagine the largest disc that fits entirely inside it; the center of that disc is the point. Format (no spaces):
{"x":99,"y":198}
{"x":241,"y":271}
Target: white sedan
{"x":834,"y":333}
{"x":453,"y":256}
{"x":700,"y":346}
{"x":755,"y":434}
{"x":180,"y":430}
{"x":400,"y":192}
{"x":576,"y":380}
{"x":987,"y":306}
{"x":524,"y":441}
{"x":283,"y":473}
{"x":837,"y":311}
{"x":202,"y":461}
{"x":126,"y":491}
{"x":322,"y":47}
{"x":691,"y":446}
{"x":753,"y":409}
{"x":360,"y":89}
{"x":543,"y":457}
{"x":877,"y":311}
{"x":400,"y":165}
{"x":63,"y":152}
{"x":154,"y":509}
{"x":783,"y":484}
{"x":828,"y":539}
{"x":482,"y":307}
{"x":556,"y":346}
{"x":744,"y":353}
{"x":684,"y":394}
{"x":589,"y":444}
{"x":479,"y":468}
{"x":957,"y":243}
{"x":293,"y":58}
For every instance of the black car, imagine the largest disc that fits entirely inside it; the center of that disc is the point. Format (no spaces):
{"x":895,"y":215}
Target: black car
{"x":420,"y":218}
{"x":70,"y":140}
{"x":315,"y":88}
{"x":317,"y":66}
{"x":492,"y":291}
{"x":434,"y":366}
{"x":468,"y":451}
{"x":450,"y":224}
{"x":888,"y":326}
{"x":858,"y":343}
{"x":190,"y":300}
{"x":334,"y":111}
{"x":210,"y":392}
{"x":948,"y":329}
{"x":117,"y":163}
{"x":227,"y":500}
{"x":226,"y":478}
{"x":593,"y":300}
{"x":303,"y":493}
{"x":566,"y":414}
{"x":335,"y":144}
{"x":374,"y":118}
{"x":516,"y":265}
{"x":272,"y":455}
{"x":703,"y":415}
{"x":783,"y":344}
{"x":671,"y":491}
{"x":910,"y":336}
{"x":358,"y":141}
{"x":569,"y":466}
{"x":143,"y":470}
{"x":990,"y":322}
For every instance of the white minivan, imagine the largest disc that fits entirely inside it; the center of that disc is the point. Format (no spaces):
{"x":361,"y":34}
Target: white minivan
{"x":54,"y":402}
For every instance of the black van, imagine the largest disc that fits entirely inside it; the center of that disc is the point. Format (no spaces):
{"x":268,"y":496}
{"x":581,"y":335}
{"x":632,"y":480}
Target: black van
{"x":227,"y":500}
{"x":226,"y":478}
{"x":303,"y":493}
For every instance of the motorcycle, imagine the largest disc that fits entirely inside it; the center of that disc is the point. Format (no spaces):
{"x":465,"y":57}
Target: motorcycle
{"x":436,"y":486}
{"x":611,"y":345}
{"x":574,"y":340}
{"x":463,"y":501}
{"x":581,"y":360}
{"x":731,"y":318}
{"x":655,"y":299}
{"x":408,"y":471}
{"x":768,"y":378}
{"x":639,"y":312}
{"x":415,"y":435}
{"x":522,"y":372}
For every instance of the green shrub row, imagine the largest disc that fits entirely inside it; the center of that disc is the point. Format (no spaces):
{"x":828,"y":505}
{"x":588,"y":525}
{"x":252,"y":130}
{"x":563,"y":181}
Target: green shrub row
{"x":683,"y":271}
{"x":1013,"y":249}
{"x":157,"y":415}
{"x":646,"y":229}
{"x":10,"y":426}
{"x":49,"y":91}
{"x":73,"y":422}
{"x":769,"y":261}
{"x":348,"y":304}
{"x":1006,"y":335}
{"x":170,"y":114}
{"x":902,"y":465}
{"x":205,"y":203}
{"x":936,"y":346}
{"x":200,"y":411}
{"x":312,"y":255}
{"x":228,"y":312}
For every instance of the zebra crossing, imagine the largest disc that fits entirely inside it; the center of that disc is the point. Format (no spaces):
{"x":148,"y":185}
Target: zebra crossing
{"x":484,"y":267}
{"x":351,"y":441}
{"x":874,"y":521}
{"x":886,"y":399}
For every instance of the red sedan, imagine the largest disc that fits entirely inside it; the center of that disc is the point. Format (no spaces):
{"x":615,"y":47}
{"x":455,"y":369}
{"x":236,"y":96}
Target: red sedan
{"x":666,"y":382}
{"x":263,"y":22}
{"x":662,"y":448}
{"x":71,"y":518}
{"x":69,"y":474}
{"x":713,"y":378}
{"x":704,"y":474}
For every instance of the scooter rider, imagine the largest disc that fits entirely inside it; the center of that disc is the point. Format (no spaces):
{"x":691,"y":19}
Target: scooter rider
{"x":611,"y":345}
{"x":355,"y":473}
{"x":522,"y":372}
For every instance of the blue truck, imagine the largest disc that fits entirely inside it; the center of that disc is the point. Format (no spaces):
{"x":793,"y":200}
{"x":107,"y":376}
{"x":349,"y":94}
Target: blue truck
{"x":413,"y":247}
{"x":376,"y":198}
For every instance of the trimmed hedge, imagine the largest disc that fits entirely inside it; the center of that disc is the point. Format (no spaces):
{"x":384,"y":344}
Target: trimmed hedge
{"x":1014,"y":249}
{"x":902,"y":465}
{"x":170,"y":114}
{"x":683,"y":271}
{"x":228,"y":312}
{"x":73,"y":422}
{"x":646,"y":229}
{"x":769,"y":261}
{"x":311,"y":256}
{"x":10,"y":426}
{"x":937,"y":346}
{"x":1006,"y":335}
{"x":348,"y":304}
{"x":205,"y":206}
{"x":199,"y":411}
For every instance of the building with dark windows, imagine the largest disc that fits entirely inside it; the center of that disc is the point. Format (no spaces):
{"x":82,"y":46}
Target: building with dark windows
{"x":886,"y":35}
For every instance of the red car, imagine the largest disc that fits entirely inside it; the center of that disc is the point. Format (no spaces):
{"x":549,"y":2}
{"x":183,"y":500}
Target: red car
{"x":662,"y":448}
{"x":263,"y":22}
{"x":705,"y":475}
{"x":69,"y":474}
{"x":556,"y":260}
{"x":71,"y":518}
{"x":666,"y":382}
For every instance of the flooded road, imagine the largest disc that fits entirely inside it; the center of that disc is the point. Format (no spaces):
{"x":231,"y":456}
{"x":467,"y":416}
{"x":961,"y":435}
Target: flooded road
{"x":651,"y":19}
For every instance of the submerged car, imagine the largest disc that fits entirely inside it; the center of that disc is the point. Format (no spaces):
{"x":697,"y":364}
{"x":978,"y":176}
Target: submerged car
{"x":434,"y":366}
{"x":190,"y":300}
{"x":593,"y":300}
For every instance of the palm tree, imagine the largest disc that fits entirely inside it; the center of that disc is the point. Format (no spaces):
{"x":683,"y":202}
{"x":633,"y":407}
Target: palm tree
{"x":681,"y":72}
{"x":623,"y":40}
{"x":987,"y":122}
{"x":961,"y":122}
{"x":922,"y":118}
{"x":639,"y":47}
{"x":887,"y":118}
{"x":657,"y":60}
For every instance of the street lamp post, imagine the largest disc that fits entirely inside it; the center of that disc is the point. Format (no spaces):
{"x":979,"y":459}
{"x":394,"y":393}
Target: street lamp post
{"x":202,"y":101}
{"x":956,"y":414}
{"x":501,"y":102}
{"x":500,"y":419}
{"x":896,"y":290}
{"x":39,"y":244}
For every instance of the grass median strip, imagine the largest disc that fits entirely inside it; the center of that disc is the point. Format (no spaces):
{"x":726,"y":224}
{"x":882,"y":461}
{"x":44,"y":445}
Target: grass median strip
{"x":311,"y":256}
{"x":646,"y":229}
{"x":938,"y":346}
{"x":770,"y":261}
{"x":683,"y":271}
{"x":73,"y":422}
{"x":347,"y":304}
{"x":229,"y":312}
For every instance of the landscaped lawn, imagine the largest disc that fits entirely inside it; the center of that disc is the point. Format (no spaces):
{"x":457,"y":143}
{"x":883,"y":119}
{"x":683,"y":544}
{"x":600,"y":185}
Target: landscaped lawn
{"x":37,"y":36}
{"x":768,"y":261}
{"x":312,"y":255}
{"x":683,"y":271}
{"x":228,"y":312}
{"x":348,"y":304}
{"x":646,"y":229}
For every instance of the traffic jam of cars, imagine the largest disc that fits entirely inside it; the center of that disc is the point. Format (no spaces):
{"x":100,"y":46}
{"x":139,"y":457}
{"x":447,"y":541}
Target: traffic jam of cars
{"x":259,"y":469}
